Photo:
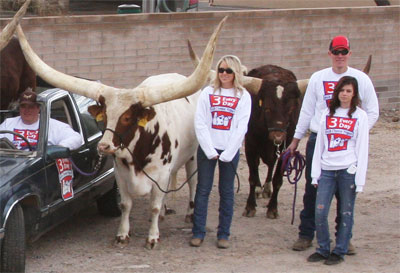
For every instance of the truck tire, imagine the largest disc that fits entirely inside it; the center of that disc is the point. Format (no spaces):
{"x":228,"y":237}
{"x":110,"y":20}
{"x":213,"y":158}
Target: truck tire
{"x":13,"y":244}
{"x":108,"y":204}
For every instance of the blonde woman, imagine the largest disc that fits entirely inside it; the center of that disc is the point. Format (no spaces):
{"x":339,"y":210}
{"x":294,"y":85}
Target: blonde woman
{"x":222,"y":114}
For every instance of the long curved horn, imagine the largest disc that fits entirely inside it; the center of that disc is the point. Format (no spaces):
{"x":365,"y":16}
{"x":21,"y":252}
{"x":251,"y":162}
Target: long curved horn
{"x":195,"y":60}
{"x":75,"y":85}
{"x":252,"y":84}
{"x":191,"y":84}
{"x":140,"y":94}
{"x":367,"y":66}
{"x":302,"y":85}
{"x":9,"y":30}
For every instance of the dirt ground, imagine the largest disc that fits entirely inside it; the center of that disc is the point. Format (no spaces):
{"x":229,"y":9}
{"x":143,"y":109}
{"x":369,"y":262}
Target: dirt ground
{"x":85,"y":242}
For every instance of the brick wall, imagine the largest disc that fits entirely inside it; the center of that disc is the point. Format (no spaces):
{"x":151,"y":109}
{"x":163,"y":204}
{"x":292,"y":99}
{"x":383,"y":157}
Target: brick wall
{"x":122,"y":50}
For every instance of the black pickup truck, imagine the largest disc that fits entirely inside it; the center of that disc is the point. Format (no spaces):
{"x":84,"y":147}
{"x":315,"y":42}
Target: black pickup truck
{"x":41,"y":188}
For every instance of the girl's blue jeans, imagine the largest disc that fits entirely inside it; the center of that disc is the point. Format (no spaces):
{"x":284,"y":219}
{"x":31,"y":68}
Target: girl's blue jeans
{"x":227,"y":171}
{"x":330,"y":182}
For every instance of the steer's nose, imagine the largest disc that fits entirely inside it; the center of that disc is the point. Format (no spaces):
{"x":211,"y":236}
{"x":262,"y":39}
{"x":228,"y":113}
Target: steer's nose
{"x":277,"y":137}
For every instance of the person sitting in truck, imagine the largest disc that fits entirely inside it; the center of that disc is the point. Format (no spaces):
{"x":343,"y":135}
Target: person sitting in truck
{"x":27,"y":125}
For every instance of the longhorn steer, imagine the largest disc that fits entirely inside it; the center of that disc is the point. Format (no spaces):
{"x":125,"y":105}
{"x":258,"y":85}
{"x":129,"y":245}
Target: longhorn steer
{"x":16,"y":75}
{"x":149,"y":134}
{"x":275,"y":110}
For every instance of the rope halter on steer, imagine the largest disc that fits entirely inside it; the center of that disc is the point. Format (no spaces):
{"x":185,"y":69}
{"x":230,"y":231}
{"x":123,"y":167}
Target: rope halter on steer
{"x":292,"y":164}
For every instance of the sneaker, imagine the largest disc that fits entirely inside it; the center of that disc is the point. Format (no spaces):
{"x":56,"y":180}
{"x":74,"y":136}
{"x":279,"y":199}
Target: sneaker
{"x":222,"y":243}
{"x":302,"y":244}
{"x":316,"y":257}
{"x":351,"y":250}
{"x":196,"y":242}
{"x":333,"y":259}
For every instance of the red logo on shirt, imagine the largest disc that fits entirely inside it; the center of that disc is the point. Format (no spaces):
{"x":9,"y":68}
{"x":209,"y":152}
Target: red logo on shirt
{"x":31,"y":135}
{"x":339,"y":130}
{"x":65,"y":175}
{"x":328,"y":91}
{"x":222,"y":111}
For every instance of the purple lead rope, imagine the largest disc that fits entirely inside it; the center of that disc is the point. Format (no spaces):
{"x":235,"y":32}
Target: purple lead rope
{"x":290,"y":164}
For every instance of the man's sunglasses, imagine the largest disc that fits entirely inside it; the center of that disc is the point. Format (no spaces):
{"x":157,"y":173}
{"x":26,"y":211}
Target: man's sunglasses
{"x":227,"y":70}
{"x":337,"y":52}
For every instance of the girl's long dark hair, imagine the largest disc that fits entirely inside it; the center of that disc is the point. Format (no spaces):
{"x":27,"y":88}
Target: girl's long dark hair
{"x":335,"y":102}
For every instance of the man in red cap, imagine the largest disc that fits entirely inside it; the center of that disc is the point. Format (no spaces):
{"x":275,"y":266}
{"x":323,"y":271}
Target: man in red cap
{"x":317,"y":97}
{"x":27,"y":124}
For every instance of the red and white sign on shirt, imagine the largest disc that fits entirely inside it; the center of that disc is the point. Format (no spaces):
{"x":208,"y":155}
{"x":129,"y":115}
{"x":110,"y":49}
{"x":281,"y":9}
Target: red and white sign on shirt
{"x":339,"y":131}
{"x":329,"y":87}
{"x":31,"y":135}
{"x":66,"y":175}
{"x":222,"y":110}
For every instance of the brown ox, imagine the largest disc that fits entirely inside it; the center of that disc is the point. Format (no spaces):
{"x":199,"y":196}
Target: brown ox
{"x":275,"y":110}
{"x":150,"y":130}
{"x":16,"y":75}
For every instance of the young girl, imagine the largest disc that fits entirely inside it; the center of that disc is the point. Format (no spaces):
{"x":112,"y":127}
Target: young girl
{"x":339,"y":164}
{"x":222,"y":114}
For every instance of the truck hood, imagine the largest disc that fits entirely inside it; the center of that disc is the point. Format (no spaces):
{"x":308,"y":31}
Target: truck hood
{"x":11,"y":166}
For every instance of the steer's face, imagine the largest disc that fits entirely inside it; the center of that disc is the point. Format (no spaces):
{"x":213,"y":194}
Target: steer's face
{"x":278,"y":108}
{"x":123,"y":124}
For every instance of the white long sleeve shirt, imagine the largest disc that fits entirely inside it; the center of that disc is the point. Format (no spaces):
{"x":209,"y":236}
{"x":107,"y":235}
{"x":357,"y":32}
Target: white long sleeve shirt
{"x":342,"y":142}
{"x":221,"y":121}
{"x":60,"y":133}
{"x":319,"y":92}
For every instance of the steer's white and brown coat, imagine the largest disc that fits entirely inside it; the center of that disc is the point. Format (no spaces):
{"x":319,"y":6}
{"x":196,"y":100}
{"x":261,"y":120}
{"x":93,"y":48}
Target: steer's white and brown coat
{"x":149,"y":129}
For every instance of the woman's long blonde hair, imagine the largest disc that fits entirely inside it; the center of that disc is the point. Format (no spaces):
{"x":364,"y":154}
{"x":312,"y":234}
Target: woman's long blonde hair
{"x":233,"y":63}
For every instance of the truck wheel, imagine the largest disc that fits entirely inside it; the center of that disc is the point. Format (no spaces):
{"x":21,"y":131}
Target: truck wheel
{"x":13,"y":245}
{"x":108,"y":204}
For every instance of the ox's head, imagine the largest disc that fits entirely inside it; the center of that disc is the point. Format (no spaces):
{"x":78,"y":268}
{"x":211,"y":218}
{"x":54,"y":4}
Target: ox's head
{"x":8,"y":31}
{"x":126,"y":111}
{"x":275,"y":109}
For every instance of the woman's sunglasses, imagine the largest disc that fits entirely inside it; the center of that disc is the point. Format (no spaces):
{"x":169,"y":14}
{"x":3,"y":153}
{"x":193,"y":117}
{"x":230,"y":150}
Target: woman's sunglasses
{"x":227,"y":70}
{"x":337,"y":52}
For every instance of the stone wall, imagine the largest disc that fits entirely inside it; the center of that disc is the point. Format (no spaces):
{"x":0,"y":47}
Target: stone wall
{"x":122,"y":50}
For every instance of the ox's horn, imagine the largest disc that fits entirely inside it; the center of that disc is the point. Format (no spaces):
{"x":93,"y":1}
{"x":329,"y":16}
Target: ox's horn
{"x":9,"y":30}
{"x":195,"y":60}
{"x":302,"y":85}
{"x":252,"y":84}
{"x":76,"y":85}
{"x":192,"y":83}
{"x":367,"y":66}
{"x":140,"y":94}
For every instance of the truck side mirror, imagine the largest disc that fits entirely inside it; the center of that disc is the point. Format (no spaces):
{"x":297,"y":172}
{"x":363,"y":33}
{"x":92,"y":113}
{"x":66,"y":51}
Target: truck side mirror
{"x":54,"y":152}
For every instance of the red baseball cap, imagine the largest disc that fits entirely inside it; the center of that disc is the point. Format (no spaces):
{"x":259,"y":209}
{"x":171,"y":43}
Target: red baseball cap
{"x":339,"y":42}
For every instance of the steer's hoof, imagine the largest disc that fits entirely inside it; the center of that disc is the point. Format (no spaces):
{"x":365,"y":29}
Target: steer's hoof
{"x":169,"y":211}
{"x":151,"y":244}
{"x":272,"y":214}
{"x":121,"y":241}
{"x":249,"y":212}
{"x":189,"y":218}
{"x":266,"y":195}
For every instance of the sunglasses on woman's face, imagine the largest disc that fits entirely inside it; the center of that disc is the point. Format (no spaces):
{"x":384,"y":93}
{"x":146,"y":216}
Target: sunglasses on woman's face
{"x":227,"y":70}
{"x":337,"y":52}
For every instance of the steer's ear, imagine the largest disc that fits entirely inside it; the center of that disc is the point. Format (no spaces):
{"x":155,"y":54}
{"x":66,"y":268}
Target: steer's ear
{"x":96,"y":111}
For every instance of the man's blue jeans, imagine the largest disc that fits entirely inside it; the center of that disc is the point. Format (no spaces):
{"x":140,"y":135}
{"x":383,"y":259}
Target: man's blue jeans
{"x":330,"y":182}
{"x":227,"y":171}
{"x":307,"y":215}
